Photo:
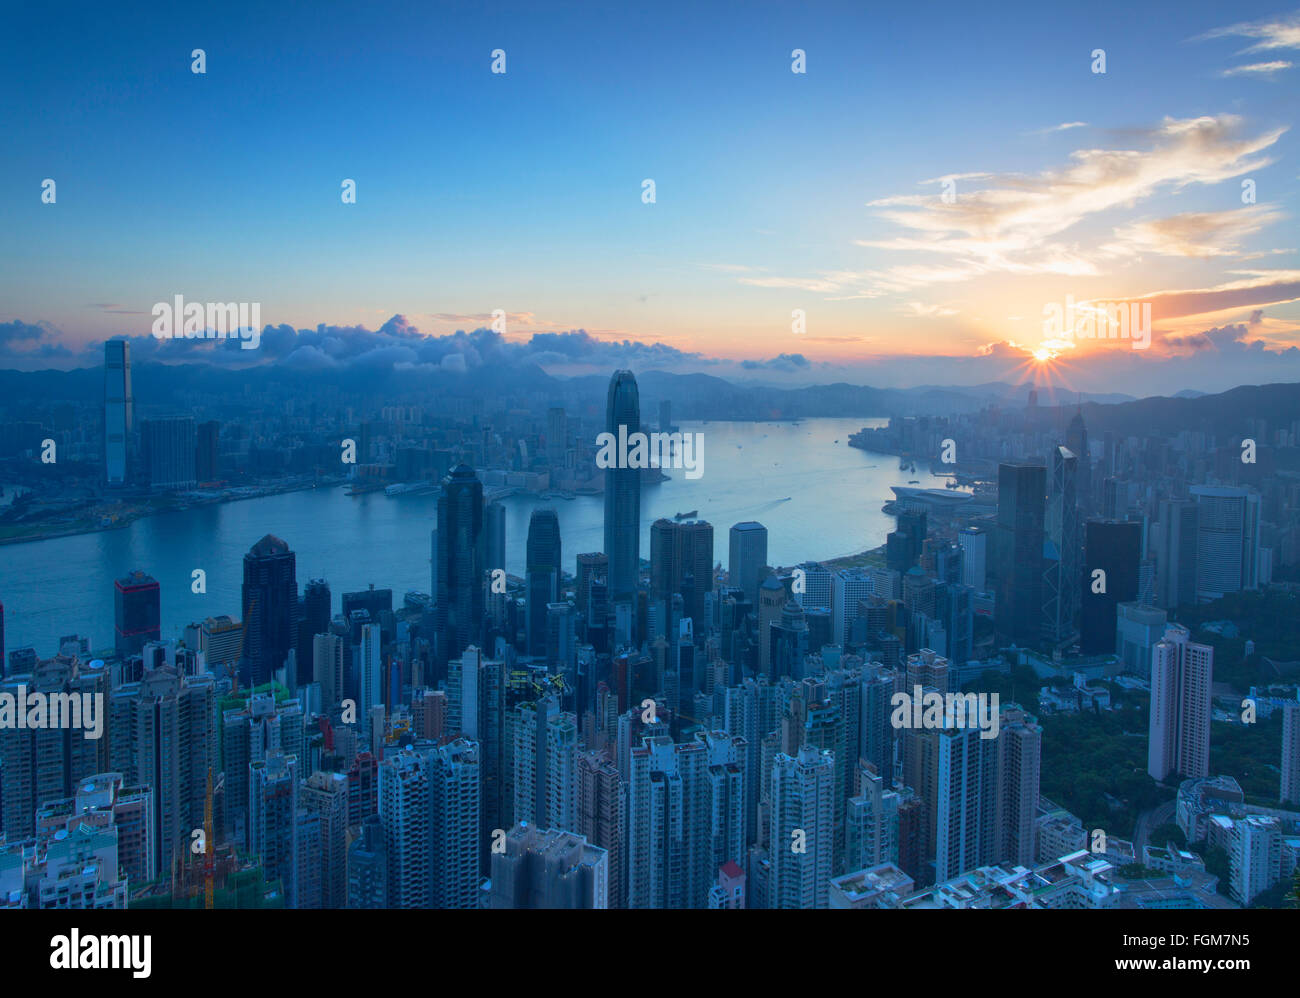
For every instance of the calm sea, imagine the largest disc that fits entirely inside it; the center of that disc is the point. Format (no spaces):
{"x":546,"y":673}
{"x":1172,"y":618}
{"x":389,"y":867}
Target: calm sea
{"x":65,"y":585}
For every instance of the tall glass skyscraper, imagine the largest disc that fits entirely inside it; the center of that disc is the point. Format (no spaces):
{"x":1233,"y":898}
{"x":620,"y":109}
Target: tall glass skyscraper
{"x":1115,"y":547}
{"x":1227,"y":540}
{"x":270,"y":609}
{"x":543,"y":570}
{"x":1022,"y":502}
{"x":458,"y":567}
{"x":747,"y":554}
{"x":1061,"y":561}
{"x":117,"y":410}
{"x":136,"y":611}
{"x":623,"y":492}
{"x":494,"y":536}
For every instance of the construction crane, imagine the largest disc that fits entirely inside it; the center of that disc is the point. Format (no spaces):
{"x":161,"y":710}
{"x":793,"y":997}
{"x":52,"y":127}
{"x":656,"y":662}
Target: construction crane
{"x":207,"y":844}
{"x":208,"y":861}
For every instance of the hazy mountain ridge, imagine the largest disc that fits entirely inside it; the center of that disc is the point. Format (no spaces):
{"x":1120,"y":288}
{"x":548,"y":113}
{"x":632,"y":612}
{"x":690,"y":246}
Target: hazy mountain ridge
{"x":692,"y":396}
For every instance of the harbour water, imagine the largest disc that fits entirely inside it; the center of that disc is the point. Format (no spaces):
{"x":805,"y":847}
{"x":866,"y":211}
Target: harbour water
{"x":64,"y":585}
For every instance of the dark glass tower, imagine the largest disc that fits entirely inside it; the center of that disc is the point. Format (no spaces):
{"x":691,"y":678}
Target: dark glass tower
{"x":136,"y":611}
{"x":1115,"y":547}
{"x":623,"y":492}
{"x":747,"y":555}
{"x":1022,"y":498}
{"x":313,"y":619}
{"x":458,"y":569}
{"x":270,"y":609}
{"x":543,"y":575}
{"x":494,"y":536}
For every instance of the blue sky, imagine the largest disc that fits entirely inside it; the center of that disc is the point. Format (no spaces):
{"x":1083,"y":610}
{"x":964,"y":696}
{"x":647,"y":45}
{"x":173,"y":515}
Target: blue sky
{"x":522,"y":191}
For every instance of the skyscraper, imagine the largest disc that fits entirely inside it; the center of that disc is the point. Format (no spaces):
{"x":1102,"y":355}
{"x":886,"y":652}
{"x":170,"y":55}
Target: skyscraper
{"x":458,"y":568}
{"x":802,"y":828}
{"x":1138,"y":629}
{"x":326,"y":796}
{"x":963,"y":794}
{"x":1022,"y":491}
{"x":168,"y":450}
{"x":549,"y":868}
{"x":681,"y":561}
{"x":404,"y":812}
{"x":669,"y":842}
{"x":370,"y":675}
{"x":1076,"y":439}
{"x":903,"y":546}
{"x":543,"y":575}
{"x":1255,"y":856}
{"x":771,"y":601}
{"x":368,"y":866}
{"x":602,"y":817}
{"x":1061,"y":551}
{"x":137,"y":614}
{"x":557,"y":435}
{"x":1020,"y":760}
{"x":1175,"y":543}
{"x":270,"y":601}
{"x":623,"y":493}
{"x":475,"y":692}
{"x":45,"y":763}
{"x":592,"y":567}
{"x":313,"y":619}
{"x":118,"y":411}
{"x":455,"y":804}
{"x":207,"y":451}
{"x":163,"y":734}
{"x":974,"y":557}
{"x":494,"y":536}
{"x":272,"y":810}
{"x":545,"y":745}
{"x":1227,"y":541}
{"x":1290,"y":755}
{"x":1181,"y":674}
{"x":1115,"y":548}
{"x":746,"y":557}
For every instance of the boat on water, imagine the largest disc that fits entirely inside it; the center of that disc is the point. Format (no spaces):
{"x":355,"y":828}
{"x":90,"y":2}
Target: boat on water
{"x":687,"y":516}
{"x":411,"y":489}
{"x":786,"y":499}
{"x":361,"y":489}
{"x":914,"y":481}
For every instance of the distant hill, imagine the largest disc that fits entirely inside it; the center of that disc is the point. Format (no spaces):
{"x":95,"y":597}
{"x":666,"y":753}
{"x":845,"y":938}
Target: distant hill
{"x":692,"y":396}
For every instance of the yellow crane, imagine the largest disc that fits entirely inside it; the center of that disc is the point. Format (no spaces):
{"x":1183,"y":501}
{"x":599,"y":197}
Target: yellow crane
{"x":207,"y":844}
{"x":209,"y":862}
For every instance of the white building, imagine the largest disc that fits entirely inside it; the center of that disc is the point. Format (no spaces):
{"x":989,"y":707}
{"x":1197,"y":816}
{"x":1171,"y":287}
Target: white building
{"x":1255,"y":855}
{"x":1181,"y":673}
{"x":802,"y":830}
